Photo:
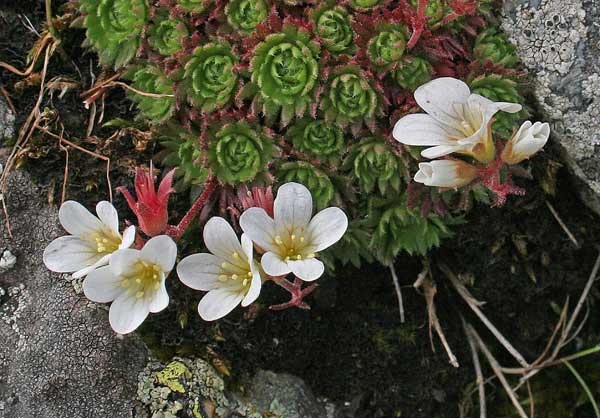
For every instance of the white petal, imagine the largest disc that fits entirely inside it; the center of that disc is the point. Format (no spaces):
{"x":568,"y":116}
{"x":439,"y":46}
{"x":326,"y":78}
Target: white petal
{"x":273,"y":265}
{"x":161,"y":250}
{"x":254,"y":290}
{"x":439,"y":96}
{"x":102,"y":285}
{"x":128,"y":237}
{"x":160,"y":299}
{"x":218,"y":302}
{"x":441,"y":150}
{"x":422,"y":129}
{"x":308,"y":270}
{"x":326,"y":228}
{"x":220,"y":238}
{"x":127,"y":313}
{"x":293,"y":207}
{"x":248,"y":247}
{"x":85,"y":271}
{"x":108,"y":215}
{"x":493,"y":107}
{"x":68,"y":254}
{"x":260,"y":228}
{"x":77,"y":220}
{"x":123,"y":262}
{"x":199,"y":271}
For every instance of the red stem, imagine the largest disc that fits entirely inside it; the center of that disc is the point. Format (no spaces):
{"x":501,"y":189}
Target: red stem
{"x":296,"y":291}
{"x":176,"y":232}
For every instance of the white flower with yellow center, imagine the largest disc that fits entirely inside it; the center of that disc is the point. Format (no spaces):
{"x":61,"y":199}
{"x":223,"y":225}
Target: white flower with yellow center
{"x":230,"y":274}
{"x":134,"y":281}
{"x":455,"y":121}
{"x":292,"y":239}
{"x":92,"y":240}
{"x":446,"y":173}
{"x":529,"y":139}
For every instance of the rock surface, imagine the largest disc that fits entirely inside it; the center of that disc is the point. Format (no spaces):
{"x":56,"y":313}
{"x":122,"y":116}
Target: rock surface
{"x":58,"y":356}
{"x":7,"y":120}
{"x":559,"y":43}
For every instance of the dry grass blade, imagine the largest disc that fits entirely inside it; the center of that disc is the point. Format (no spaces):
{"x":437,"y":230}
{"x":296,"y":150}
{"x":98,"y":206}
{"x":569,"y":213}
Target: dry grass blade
{"x":478,"y":372}
{"x":398,"y":291}
{"x":474,"y":305}
{"x":563,"y":225}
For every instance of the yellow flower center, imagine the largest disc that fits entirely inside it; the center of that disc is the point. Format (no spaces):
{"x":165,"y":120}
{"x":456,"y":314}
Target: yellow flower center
{"x":293,"y":247}
{"x":236,"y":271}
{"x":144,"y":281}
{"x":105,"y":242}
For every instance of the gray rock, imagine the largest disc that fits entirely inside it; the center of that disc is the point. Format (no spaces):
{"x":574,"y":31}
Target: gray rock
{"x":559,"y":43}
{"x":7,"y":120}
{"x":58,"y":356}
{"x":284,"y":394}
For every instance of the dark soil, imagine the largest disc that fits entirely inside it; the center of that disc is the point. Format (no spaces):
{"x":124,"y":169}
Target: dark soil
{"x":351,"y":347}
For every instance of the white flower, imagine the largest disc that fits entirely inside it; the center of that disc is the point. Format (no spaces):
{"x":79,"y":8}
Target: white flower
{"x":446,"y":173}
{"x":134,"y":281}
{"x":292,"y":239}
{"x":529,"y":139}
{"x":456,"y":121}
{"x":229,"y":274}
{"x":92,"y":240}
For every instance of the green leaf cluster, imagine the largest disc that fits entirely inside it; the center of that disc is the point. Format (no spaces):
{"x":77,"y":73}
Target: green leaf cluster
{"x":318,"y":139}
{"x":245,"y":15}
{"x":316,"y":180}
{"x":494,"y":47}
{"x":413,"y":72}
{"x":333,"y":24}
{"x":387,"y":47}
{"x":158,"y":102}
{"x":166,"y":34}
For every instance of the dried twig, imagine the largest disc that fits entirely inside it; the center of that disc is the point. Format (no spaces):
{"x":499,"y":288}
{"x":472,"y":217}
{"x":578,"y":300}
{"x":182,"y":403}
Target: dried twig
{"x":497,"y":371}
{"x":474,"y":305}
{"x":478,"y":372}
{"x":563,"y":225}
{"x":398,"y":291}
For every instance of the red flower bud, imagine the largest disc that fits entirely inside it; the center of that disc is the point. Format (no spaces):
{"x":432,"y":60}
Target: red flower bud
{"x":151,"y":206}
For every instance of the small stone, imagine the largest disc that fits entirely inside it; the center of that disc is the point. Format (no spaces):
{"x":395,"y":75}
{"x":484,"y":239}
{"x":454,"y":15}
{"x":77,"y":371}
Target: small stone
{"x":7,"y":261}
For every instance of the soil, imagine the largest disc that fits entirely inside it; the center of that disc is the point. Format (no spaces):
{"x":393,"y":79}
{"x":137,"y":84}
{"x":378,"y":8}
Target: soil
{"x":351,"y":347}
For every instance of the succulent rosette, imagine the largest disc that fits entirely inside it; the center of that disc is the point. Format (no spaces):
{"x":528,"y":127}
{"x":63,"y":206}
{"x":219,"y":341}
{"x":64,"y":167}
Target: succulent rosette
{"x":209,"y":78}
{"x":351,"y":98}
{"x":155,"y":98}
{"x":166,"y":34}
{"x":413,"y":72}
{"x":386,"y":49}
{"x":317,"y":138}
{"x":333,"y":25}
{"x":114,"y":28}
{"x":245,"y":15}
{"x":316,"y":180}
{"x":494,"y":47}
{"x":181,"y":149}
{"x":239,"y":152}
{"x":285,"y":72}
{"x":434,"y":11}
{"x":375,"y":165}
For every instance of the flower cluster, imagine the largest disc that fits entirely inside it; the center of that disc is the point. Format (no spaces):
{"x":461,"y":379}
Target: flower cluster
{"x":460,"y":122}
{"x":257,"y":93}
{"x":279,"y":237}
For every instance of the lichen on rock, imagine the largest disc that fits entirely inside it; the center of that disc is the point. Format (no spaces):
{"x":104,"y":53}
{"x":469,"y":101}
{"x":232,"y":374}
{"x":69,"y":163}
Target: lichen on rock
{"x":559,"y":43}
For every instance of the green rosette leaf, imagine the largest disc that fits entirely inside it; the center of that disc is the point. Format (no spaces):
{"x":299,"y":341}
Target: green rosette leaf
{"x":319,"y":184}
{"x":387,"y":48}
{"x":492,"y":46}
{"x":114,"y":28}
{"x":500,"y":89}
{"x":375,"y":165}
{"x":435,"y":10}
{"x":413,"y":72}
{"x":209,"y":79}
{"x":166,"y":34}
{"x":238,"y":152}
{"x":351,"y":98}
{"x":333,"y":25}
{"x":366,"y":5}
{"x":402,"y":229}
{"x":244,"y":15}
{"x":285,"y":71}
{"x":196,"y":6}
{"x":148,"y":78}
{"x":318,"y":139}
{"x":181,"y":149}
